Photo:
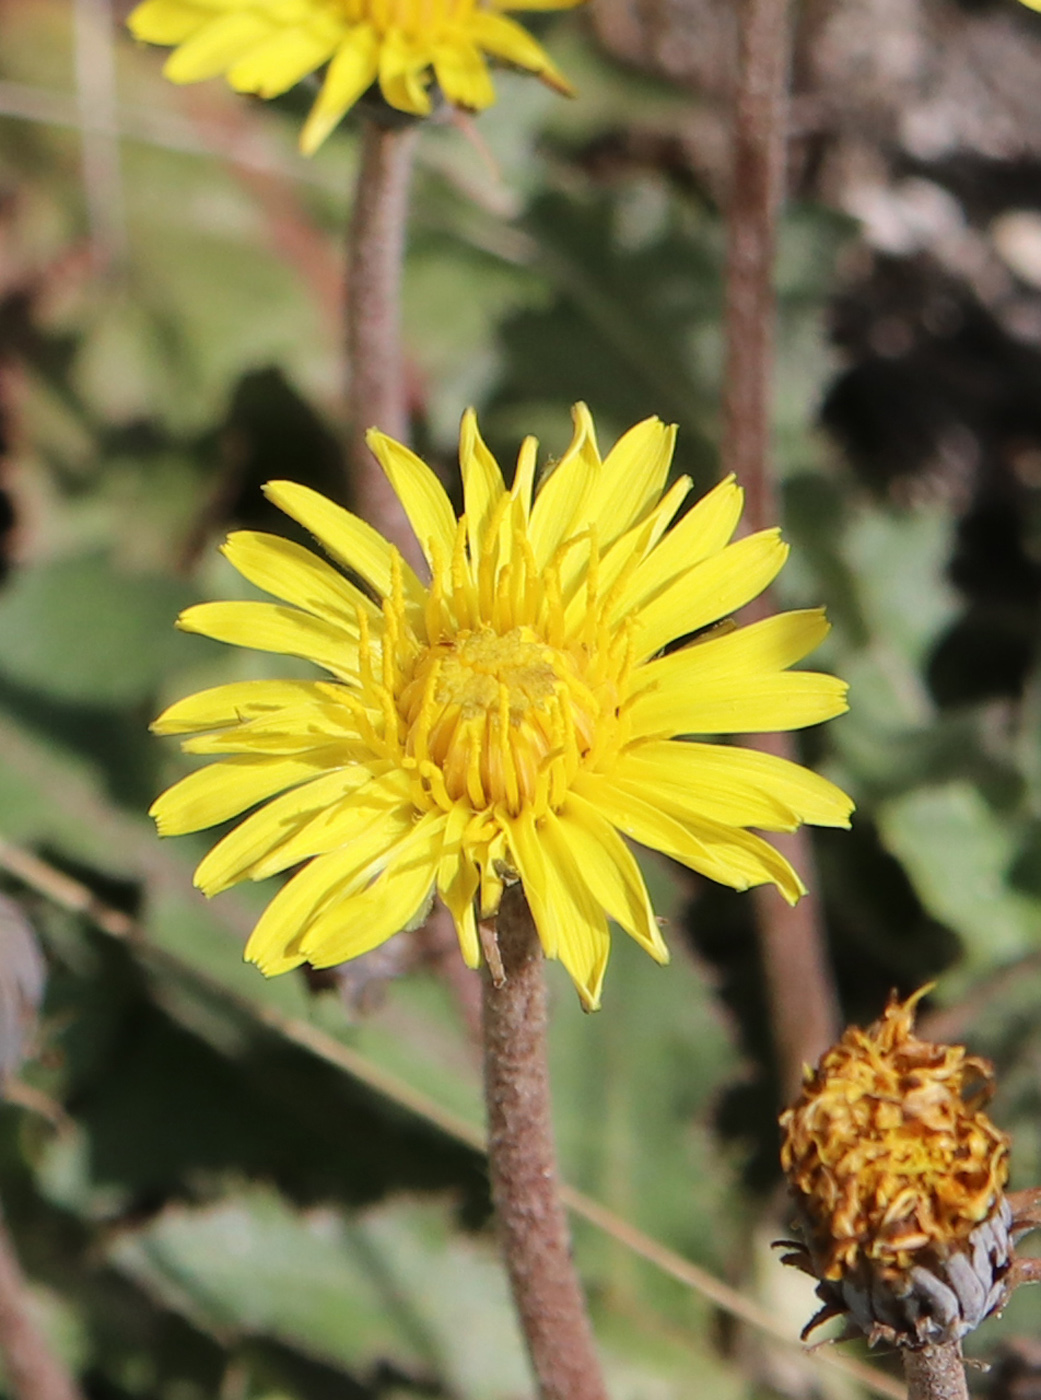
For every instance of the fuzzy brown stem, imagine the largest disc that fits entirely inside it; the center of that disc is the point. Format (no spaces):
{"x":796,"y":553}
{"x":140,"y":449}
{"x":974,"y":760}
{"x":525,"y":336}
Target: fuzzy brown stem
{"x":804,"y":1009}
{"x":376,"y":387}
{"x":34,"y":1371}
{"x":935,"y":1373}
{"x":803,"y":1005}
{"x":522,"y":1162}
{"x":756,"y":191}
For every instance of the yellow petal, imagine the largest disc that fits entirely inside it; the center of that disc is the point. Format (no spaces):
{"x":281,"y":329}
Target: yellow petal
{"x":222,"y":705}
{"x":709,"y":591}
{"x":772,"y":644}
{"x":279,"y":62}
{"x":741,"y":705}
{"x":300,"y":901}
{"x":458,"y":880}
{"x":571,"y":925}
{"x":463,"y":75}
{"x":294,"y":574}
{"x":403,"y":70}
{"x":611,"y":872}
{"x":704,"y":530}
{"x":267,"y":831}
{"x":426,"y":504}
{"x":271,"y":627}
{"x":351,"y":72}
{"x":216,"y":46}
{"x":633,"y":477}
{"x":524,"y":476}
{"x":483,"y":486}
{"x":222,"y":790}
{"x":734,"y":785}
{"x":360,"y":921}
{"x":285,"y":731}
{"x":725,"y":854}
{"x":509,"y":41}
{"x":348,"y":539}
{"x":561,"y":498}
{"x":623,"y":556}
{"x":165,"y":21}
{"x":384,"y":803}
{"x":536,"y":4}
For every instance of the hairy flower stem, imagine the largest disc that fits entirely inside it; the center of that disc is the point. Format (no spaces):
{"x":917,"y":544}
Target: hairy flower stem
{"x":803,"y":1004}
{"x":935,"y":1373}
{"x":532,"y":1224}
{"x":34,"y":1371}
{"x":377,"y":392}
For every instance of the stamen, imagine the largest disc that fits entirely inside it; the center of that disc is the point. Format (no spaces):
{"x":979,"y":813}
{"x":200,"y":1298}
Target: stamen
{"x":552,"y":610}
{"x":565,"y":709}
{"x":391,"y":639}
{"x":391,"y":721}
{"x":526,"y":591}
{"x":421,"y":726}
{"x":509,"y":766}
{"x":435,"y":610}
{"x":431,"y":774}
{"x":489,"y":592}
{"x":463,"y":596}
{"x":364,"y":646}
{"x":592,"y":588}
{"x":474,"y":785}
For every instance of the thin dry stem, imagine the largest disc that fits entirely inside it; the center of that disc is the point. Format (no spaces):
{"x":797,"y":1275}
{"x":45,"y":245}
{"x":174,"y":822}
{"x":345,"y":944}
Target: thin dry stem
{"x":803,"y":1004}
{"x":522,"y":1164}
{"x":35,"y":1372}
{"x":377,"y":391}
{"x":804,"y":1009}
{"x":935,"y":1373}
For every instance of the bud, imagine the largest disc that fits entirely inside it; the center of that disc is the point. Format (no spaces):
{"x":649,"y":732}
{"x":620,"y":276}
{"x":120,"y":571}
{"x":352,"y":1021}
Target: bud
{"x":898,"y":1178}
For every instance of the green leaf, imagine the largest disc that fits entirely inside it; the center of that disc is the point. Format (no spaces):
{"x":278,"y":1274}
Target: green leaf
{"x":959,"y":853}
{"x":80,"y":630}
{"x":393,"y":1285}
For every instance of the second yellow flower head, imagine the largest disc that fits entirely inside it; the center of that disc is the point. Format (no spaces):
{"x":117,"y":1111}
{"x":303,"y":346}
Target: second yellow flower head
{"x":267,"y":46}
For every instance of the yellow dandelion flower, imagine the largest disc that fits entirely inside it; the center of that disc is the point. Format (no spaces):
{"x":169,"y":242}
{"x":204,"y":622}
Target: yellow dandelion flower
{"x":267,"y":46}
{"x":510,"y":719}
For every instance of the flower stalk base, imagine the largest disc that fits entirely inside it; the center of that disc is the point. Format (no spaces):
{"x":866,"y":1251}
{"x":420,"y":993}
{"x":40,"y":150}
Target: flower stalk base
{"x":377,"y":394}
{"x":533,"y":1228}
{"x":935,"y":1373}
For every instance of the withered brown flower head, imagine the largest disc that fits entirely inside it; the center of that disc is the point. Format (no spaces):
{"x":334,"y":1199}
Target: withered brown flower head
{"x":898,"y":1176}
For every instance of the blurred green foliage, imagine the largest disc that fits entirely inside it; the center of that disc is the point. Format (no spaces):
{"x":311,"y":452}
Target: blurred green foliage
{"x":213,"y":1211}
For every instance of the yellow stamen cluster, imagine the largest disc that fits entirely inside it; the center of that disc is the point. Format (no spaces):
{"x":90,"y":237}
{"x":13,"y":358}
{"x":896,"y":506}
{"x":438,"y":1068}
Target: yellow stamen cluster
{"x":888,"y":1150}
{"x":504,"y":707}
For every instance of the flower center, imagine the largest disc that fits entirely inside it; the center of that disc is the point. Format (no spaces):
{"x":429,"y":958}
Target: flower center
{"x":505,"y":718}
{"x":416,"y":18}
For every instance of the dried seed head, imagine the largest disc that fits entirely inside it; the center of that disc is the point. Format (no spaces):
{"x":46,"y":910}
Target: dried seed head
{"x":898,"y":1177}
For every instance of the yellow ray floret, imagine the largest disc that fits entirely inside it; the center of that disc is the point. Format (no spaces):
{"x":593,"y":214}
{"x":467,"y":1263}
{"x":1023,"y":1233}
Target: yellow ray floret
{"x":511,"y":720}
{"x":266,"y":46}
